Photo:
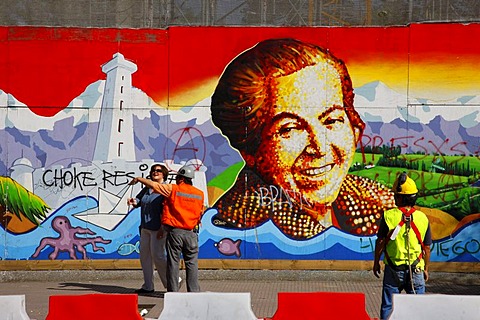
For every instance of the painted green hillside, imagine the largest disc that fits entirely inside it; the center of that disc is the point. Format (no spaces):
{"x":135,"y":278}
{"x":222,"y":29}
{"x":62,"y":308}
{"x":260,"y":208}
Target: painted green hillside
{"x":448,"y":183}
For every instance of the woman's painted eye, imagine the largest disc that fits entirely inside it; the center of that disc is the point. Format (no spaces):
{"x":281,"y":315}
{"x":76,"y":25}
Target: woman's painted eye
{"x":333,"y":120}
{"x":285,"y":130}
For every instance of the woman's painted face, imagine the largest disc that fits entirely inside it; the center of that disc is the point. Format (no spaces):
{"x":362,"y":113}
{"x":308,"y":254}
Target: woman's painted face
{"x":308,"y":146}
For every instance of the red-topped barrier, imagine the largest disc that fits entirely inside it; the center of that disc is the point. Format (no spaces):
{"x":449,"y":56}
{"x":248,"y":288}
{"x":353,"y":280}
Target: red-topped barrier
{"x":93,"y":307}
{"x":320,"y":305}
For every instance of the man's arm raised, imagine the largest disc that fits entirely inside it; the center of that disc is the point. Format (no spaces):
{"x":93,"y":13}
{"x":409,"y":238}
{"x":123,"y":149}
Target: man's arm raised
{"x":163,"y":189}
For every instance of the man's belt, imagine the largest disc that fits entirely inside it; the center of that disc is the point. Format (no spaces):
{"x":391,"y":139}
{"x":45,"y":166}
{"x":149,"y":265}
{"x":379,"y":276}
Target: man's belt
{"x":169,"y":228}
{"x":404,"y":267}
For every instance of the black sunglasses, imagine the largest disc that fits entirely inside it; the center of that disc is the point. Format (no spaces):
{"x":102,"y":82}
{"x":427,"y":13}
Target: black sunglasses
{"x":157,"y":170}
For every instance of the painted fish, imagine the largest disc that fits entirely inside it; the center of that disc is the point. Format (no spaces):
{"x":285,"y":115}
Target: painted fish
{"x":126,"y":249}
{"x":229,"y":247}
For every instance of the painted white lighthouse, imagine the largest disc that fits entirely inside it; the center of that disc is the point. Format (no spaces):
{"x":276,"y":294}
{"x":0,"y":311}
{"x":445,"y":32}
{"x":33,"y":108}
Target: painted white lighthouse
{"x":21,"y":171}
{"x":115,"y":127}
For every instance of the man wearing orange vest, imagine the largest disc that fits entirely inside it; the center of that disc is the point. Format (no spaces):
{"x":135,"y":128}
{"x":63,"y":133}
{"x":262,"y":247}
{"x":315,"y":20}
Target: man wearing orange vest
{"x":181,"y":217}
{"x":404,"y":237}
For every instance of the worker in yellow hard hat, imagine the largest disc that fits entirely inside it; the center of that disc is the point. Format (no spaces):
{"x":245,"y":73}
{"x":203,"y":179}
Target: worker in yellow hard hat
{"x":404,"y":237}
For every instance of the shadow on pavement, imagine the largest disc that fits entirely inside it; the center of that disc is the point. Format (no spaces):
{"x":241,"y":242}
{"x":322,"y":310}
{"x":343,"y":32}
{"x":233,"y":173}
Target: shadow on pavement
{"x":102,"y":288}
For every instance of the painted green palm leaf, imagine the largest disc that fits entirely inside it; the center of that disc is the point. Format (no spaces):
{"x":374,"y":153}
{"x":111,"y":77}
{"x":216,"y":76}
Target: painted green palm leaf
{"x":18,"y":200}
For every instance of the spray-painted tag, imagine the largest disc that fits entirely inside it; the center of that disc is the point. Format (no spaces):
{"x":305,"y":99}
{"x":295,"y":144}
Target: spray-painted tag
{"x":395,"y":232}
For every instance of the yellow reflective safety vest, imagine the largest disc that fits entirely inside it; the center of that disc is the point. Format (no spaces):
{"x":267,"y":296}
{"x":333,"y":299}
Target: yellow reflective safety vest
{"x":401,"y":250}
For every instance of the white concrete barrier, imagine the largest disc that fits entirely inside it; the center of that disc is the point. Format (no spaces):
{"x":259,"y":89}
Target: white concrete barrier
{"x":207,"y":306}
{"x":435,"y":306}
{"x":13,"y":308}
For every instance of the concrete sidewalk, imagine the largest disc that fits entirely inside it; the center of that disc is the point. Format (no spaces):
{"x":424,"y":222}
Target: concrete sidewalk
{"x":263,"y":286}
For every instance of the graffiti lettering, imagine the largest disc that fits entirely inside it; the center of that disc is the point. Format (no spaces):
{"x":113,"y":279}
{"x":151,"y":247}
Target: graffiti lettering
{"x":363,"y":145}
{"x":438,"y":167}
{"x":273,"y":194}
{"x":62,"y":178}
{"x":417,"y":144}
{"x":268,"y":196}
{"x":438,"y":150}
{"x":219,"y":222}
{"x":425,"y":147}
{"x":117,"y":178}
{"x":143,"y":167}
{"x":65,"y":178}
{"x":471,"y":246}
{"x":393,"y":141}
{"x":375,"y":144}
{"x":364,"y":244}
{"x":441,"y":248}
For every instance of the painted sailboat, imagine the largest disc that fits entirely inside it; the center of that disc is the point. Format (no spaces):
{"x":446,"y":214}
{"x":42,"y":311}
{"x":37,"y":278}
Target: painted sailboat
{"x":112,"y":209}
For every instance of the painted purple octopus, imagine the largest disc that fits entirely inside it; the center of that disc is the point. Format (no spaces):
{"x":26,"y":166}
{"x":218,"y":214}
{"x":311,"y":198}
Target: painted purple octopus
{"x":68,"y":240}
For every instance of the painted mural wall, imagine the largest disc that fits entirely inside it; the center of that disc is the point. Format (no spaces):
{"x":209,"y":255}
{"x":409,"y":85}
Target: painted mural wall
{"x":296,"y":135}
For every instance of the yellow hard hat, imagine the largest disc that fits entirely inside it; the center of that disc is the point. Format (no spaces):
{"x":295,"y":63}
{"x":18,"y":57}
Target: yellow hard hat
{"x":404,"y":185}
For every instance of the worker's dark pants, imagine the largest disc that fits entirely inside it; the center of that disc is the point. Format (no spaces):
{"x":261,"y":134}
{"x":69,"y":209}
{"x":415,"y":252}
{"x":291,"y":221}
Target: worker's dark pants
{"x":184,"y":242}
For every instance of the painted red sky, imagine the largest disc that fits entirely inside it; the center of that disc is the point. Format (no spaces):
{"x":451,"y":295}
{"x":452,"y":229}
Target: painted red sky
{"x":46,"y":68}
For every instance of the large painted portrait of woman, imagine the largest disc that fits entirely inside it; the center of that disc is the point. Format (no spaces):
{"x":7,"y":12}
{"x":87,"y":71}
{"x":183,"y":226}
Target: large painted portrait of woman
{"x":288,"y":107}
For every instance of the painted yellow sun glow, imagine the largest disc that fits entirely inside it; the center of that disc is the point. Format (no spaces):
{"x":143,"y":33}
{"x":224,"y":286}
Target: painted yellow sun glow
{"x":439,"y":81}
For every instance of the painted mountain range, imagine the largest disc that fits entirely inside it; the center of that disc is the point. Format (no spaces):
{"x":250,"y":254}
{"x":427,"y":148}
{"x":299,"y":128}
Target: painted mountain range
{"x":449,"y":127}
{"x":69,"y":136}
{"x":419,"y":125}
